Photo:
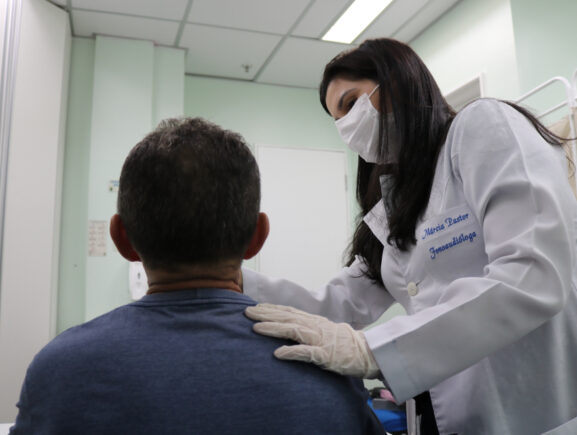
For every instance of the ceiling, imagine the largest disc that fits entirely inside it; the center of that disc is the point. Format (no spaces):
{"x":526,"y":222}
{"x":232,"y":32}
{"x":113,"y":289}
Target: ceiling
{"x":265,"y":41}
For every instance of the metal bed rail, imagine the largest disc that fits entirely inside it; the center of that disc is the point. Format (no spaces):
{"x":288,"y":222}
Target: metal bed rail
{"x":570,"y":102}
{"x":574,"y":86}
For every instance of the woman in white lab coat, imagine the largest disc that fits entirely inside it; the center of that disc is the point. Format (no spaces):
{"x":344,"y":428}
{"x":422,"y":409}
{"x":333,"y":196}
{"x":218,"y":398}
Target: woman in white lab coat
{"x":470,"y":224}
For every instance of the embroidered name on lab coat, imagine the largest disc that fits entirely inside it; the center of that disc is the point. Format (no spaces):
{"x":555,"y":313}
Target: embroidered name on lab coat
{"x":455,"y":242}
{"x":448,"y":222}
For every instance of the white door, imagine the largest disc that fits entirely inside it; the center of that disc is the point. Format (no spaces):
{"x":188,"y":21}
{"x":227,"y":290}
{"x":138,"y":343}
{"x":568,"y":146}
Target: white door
{"x":304,"y":194}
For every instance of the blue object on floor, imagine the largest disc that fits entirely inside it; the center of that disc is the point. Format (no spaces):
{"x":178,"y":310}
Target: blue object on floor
{"x":392,"y":421}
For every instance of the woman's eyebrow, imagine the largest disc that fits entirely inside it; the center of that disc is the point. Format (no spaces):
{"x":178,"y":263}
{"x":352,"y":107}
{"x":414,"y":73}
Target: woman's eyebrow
{"x":342,"y":99}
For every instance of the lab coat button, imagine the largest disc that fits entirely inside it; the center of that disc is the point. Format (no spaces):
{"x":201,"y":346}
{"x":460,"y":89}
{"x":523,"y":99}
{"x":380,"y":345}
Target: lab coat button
{"x":412,"y":289}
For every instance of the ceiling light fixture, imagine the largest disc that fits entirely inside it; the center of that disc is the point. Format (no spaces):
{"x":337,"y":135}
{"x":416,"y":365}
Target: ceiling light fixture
{"x":354,"y":20}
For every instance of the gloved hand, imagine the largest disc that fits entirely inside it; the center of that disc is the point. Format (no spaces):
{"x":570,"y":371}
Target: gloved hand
{"x":333,"y":346}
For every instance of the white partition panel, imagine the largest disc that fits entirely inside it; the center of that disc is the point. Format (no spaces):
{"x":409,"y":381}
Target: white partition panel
{"x":304,"y":194}
{"x":32,"y":214}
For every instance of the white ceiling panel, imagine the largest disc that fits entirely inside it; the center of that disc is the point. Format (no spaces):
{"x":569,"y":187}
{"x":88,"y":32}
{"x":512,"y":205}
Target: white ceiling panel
{"x":300,"y":62}
{"x":432,"y":11}
{"x":97,"y":23}
{"x":318,"y":19}
{"x":166,"y":9}
{"x":223,"y":52}
{"x":279,"y":40}
{"x":392,"y":19}
{"x":272,"y":16}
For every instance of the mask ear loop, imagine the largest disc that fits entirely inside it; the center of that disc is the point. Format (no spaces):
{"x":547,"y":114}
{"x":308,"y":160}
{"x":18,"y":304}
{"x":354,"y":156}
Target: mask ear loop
{"x":373,"y":91}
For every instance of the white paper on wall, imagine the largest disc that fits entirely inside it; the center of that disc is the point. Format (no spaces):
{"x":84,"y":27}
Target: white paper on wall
{"x":97,"y":232}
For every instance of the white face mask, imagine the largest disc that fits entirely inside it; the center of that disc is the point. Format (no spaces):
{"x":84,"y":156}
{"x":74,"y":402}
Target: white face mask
{"x":360,"y":128}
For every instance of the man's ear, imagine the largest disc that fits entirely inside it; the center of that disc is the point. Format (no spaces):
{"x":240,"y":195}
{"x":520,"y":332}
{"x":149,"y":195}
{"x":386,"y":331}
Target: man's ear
{"x":259,"y":236}
{"x":120,"y":239}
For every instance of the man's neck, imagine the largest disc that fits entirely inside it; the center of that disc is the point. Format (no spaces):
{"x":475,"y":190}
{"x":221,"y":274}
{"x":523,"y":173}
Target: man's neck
{"x":182,"y":277}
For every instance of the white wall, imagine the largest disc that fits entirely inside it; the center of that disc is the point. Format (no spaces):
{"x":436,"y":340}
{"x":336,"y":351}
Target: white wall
{"x":31,"y":229}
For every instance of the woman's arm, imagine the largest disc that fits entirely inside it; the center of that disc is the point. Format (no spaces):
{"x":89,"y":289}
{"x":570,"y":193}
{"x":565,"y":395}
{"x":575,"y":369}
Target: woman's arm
{"x":515,"y":185}
{"x":349,"y":297}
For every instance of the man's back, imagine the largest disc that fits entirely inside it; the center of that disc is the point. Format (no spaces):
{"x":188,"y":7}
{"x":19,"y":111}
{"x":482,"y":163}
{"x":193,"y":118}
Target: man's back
{"x":183,"y":362}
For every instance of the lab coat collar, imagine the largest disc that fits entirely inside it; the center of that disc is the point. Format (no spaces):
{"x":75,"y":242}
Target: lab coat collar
{"x":376,"y":220}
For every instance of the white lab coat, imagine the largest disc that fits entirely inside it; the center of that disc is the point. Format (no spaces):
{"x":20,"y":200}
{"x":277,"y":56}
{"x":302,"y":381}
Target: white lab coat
{"x":490,"y":287}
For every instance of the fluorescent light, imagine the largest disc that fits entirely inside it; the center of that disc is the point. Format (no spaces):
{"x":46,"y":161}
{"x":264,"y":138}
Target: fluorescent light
{"x":354,"y":20}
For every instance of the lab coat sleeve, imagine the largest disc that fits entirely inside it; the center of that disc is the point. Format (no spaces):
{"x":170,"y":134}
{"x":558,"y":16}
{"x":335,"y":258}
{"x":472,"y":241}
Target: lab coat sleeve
{"x":515,"y":185}
{"x":349,"y":297}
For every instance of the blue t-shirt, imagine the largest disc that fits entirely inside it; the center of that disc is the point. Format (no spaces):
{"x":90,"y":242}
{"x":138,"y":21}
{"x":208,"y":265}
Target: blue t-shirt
{"x":183,"y":362}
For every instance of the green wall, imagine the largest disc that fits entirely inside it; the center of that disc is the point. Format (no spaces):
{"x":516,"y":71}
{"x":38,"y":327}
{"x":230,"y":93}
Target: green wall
{"x":119,"y":89}
{"x":121,"y":115}
{"x":475,"y":37}
{"x":514,"y":44}
{"x":73,"y":238}
{"x":546,"y":41}
{"x":263,"y":114}
{"x":268,"y":115}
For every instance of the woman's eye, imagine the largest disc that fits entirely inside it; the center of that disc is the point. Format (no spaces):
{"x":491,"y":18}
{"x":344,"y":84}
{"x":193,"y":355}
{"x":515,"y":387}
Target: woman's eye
{"x":350,"y":104}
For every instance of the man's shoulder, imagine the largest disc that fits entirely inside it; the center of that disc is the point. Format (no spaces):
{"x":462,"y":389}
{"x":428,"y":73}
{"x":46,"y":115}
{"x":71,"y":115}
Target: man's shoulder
{"x":81,"y":338}
{"x":211,"y":355}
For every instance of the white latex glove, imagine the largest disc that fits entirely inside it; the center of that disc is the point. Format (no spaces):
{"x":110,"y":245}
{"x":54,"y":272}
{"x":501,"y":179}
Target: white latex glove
{"x":333,"y":346}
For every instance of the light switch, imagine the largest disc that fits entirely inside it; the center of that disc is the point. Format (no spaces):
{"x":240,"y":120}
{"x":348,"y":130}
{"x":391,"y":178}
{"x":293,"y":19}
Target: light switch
{"x":137,"y":280}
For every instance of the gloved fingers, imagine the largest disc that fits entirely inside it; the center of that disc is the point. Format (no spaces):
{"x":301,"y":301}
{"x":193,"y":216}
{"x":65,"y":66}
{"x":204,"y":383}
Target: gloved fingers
{"x":291,"y":331}
{"x":333,"y":346}
{"x":279,"y":313}
{"x":287,"y":308}
{"x":321,"y":357}
{"x":305,"y":353}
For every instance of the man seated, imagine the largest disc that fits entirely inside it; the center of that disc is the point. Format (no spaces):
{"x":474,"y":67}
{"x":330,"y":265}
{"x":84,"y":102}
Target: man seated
{"x":184,"y":358}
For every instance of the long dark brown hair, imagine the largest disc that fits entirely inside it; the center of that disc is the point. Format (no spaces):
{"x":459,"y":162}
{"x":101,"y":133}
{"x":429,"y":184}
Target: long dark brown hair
{"x":422,"y":118}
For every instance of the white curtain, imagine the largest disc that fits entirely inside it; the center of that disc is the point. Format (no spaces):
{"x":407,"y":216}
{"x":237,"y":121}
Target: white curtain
{"x":10,"y":26}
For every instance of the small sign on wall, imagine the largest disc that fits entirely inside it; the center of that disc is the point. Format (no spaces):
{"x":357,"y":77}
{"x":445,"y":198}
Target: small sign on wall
{"x":97,"y":233}
{"x":113,"y":185}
